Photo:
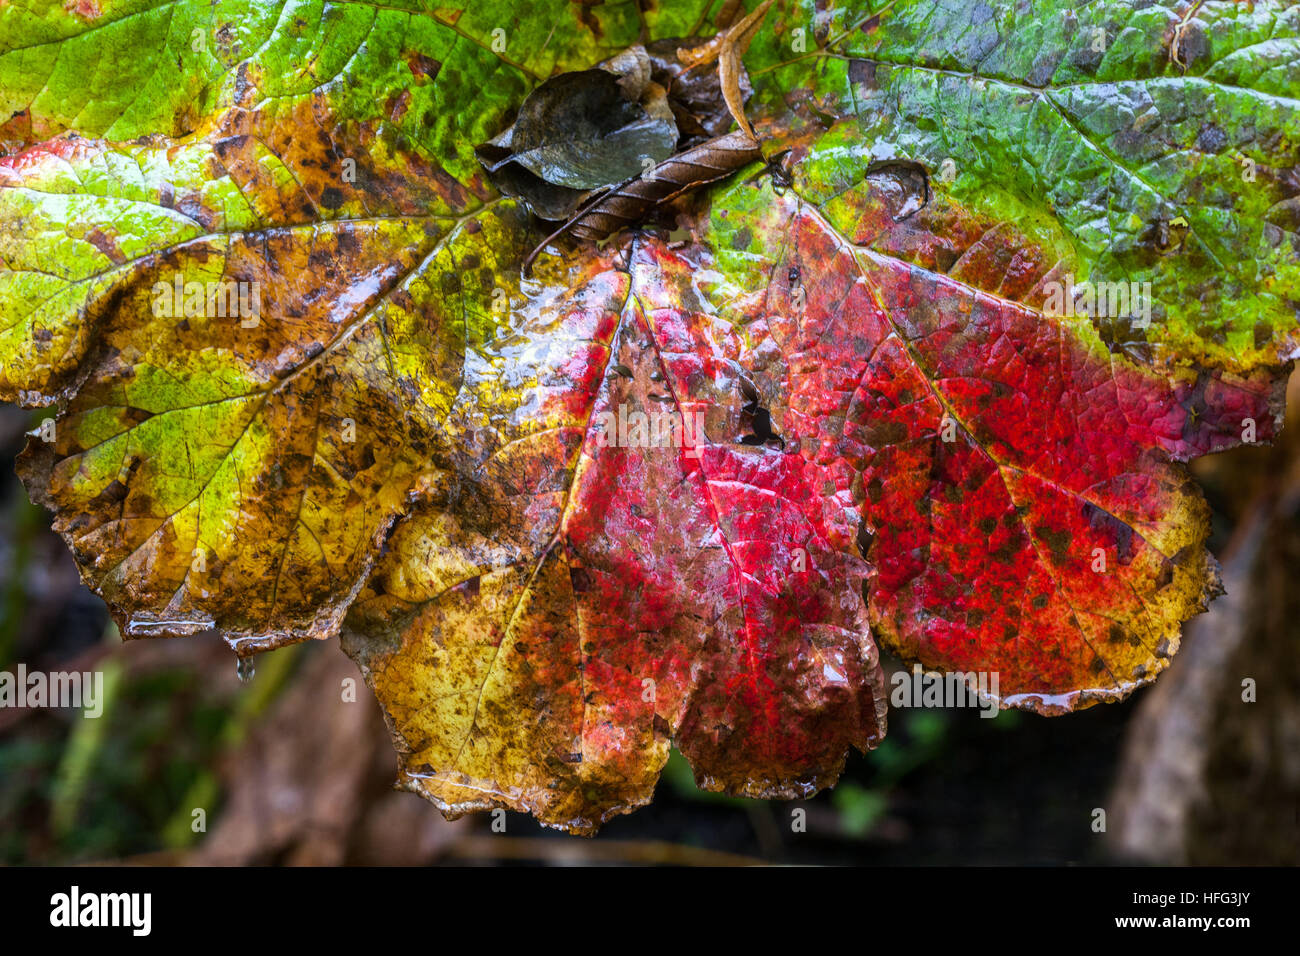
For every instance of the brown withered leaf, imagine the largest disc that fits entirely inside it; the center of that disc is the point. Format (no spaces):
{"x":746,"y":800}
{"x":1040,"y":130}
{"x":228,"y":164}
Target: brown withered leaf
{"x":694,"y":93}
{"x":549,"y":201}
{"x":632,"y":201}
{"x":580,"y":130}
{"x":727,"y":48}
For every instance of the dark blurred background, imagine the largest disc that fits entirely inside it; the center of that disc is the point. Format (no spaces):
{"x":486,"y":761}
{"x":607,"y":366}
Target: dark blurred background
{"x":286,"y":772}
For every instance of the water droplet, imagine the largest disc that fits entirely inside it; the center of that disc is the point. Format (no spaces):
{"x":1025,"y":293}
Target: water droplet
{"x":245,"y":667}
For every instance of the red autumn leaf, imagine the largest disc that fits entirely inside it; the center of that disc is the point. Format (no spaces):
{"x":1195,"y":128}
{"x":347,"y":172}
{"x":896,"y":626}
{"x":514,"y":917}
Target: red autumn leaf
{"x":592,"y":593}
{"x":541,"y":632}
{"x":1022,"y":486}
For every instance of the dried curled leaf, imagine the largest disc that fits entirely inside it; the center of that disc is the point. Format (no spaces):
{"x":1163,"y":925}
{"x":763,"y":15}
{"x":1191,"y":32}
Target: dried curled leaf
{"x":630,"y":203}
{"x":694,"y":93}
{"x":727,"y":48}
{"x":546,"y":200}
{"x":580,"y":130}
{"x":594,"y":129}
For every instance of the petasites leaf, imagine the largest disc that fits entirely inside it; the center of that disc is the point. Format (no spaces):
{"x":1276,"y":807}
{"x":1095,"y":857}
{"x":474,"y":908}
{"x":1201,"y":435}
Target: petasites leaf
{"x":929,"y":369}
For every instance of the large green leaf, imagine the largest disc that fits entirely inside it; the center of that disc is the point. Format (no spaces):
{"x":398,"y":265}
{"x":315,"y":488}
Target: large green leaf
{"x":407,"y":438}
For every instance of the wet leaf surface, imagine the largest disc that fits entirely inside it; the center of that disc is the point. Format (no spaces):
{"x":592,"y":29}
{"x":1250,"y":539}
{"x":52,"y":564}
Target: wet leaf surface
{"x":665,"y":488}
{"x":545,"y":199}
{"x":580,"y":130}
